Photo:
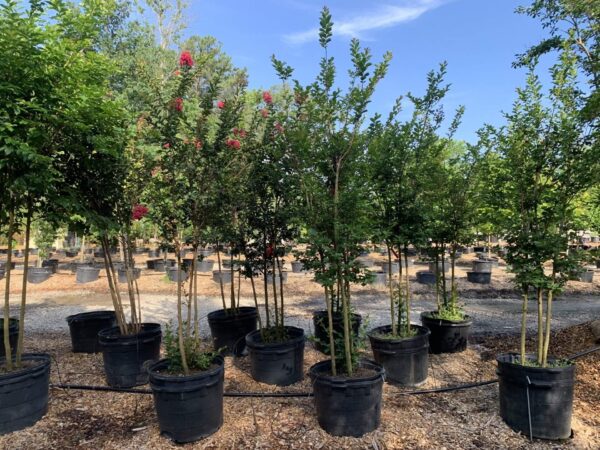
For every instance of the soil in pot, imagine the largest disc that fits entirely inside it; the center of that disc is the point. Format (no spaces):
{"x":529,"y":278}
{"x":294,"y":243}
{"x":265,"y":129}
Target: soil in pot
{"x":479,"y":277}
{"x":87,"y":274}
{"x":321,"y":326}
{"x":405,"y":360}
{"x":188,"y":407}
{"x":550,"y":394}
{"x":126,"y":357}
{"x":278,"y":363}
{"x":348,"y":406}
{"x":24,"y":393}
{"x":228,"y":329}
{"x":425,"y":277}
{"x":84,"y":329}
{"x":446,"y":336}
{"x":123,"y":274}
{"x":13,"y":336}
{"x":37,"y":275}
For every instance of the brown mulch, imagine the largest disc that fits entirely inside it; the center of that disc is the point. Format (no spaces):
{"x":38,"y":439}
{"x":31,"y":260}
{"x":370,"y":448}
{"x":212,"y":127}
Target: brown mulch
{"x":465,"y":419}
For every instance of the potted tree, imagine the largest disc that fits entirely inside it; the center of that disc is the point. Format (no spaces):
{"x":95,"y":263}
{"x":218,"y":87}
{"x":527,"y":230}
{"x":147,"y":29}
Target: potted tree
{"x":276,"y":350}
{"x":399,"y":179}
{"x":47,"y":64}
{"x":193,"y":132}
{"x":329,"y":148}
{"x":547,"y":161}
{"x":451,"y":226}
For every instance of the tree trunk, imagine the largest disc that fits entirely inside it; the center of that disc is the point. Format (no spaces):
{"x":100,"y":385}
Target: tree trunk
{"x":11,"y":232}
{"x":24,"y":288}
{"x":184,"y":363}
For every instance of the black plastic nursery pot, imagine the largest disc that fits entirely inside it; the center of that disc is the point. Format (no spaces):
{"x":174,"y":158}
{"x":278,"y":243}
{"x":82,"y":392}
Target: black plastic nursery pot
{"x":37,"y":275}
{"x":136,"y":272}
{"x":321,"y":324}
{"x":188,"y":407}
{"x":176,"y":274}
{"x":405,"y":360}
{"x":24,"y":393}
{"x":426,"y":277}
{"x":446,"y":336}
{"x":224,"y":275}
{"x":380,"y":278}
{"x":297,"y":267}
{"x":2,"y":273}
{"x":229,"y":328}
{"x":84,"y":329}
{"x":150,"y":264}
{"x":87,"y":274}
{"x":279,"y":363}
{"x":13,"y":335}
{"x":51,"y":263}
{"x":126,"y":357}
{"x":153,"y":253}
{"x":482,"y":265}
{"x":206,"y":265}
{"x":479,"y":277}
{"x":543,"y":394}
{"x":348,"y":406}
{"x":3,"y":265}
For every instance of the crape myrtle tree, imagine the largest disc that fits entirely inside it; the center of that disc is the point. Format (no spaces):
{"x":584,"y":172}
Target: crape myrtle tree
{"x":406,"y":161}
{"x":548,"y":159}
{"x":330,"y":156}
{"x":54,"y":88}
{"x":453,"y":210}
{"x":196,"y":111}
{"x":273,"y":192}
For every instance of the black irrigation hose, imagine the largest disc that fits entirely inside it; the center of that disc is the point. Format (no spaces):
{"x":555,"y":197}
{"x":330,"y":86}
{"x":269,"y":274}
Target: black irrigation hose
{"x":458,"y":387}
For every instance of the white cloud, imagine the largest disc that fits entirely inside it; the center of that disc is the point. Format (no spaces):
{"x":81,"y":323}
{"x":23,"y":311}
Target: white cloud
{"x":383,"y":17}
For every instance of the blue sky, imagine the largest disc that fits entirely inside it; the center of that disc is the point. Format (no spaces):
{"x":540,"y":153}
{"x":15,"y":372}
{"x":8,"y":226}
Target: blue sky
{"x":478,"y":39}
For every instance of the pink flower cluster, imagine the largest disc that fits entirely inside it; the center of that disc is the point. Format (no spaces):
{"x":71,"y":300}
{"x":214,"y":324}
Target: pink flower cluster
{"x":139,"y":212}
{"x":185,"y":60}
{"x":240,"y":132}
{"x":233,"y":143}
{"x":220,"y":104}
{"x":178,"y":104}
{"x":267,"y":98}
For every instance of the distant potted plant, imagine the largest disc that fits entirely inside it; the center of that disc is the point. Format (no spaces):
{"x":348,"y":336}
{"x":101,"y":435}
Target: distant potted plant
{"x":400,"y":157}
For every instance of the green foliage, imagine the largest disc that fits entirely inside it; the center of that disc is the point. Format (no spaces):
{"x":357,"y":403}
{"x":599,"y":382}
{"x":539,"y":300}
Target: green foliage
{"x":197,"y":358}
{"x":44,"y":235}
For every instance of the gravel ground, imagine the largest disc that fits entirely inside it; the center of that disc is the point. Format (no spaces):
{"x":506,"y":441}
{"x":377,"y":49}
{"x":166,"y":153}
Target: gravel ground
{"x":492,"y":316}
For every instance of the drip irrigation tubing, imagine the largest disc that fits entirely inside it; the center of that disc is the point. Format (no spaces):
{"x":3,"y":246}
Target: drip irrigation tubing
{"x":439,"y":390}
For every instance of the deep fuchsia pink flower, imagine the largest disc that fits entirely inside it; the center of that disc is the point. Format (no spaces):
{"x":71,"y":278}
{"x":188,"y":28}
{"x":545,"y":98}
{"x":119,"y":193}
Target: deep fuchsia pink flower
{"x":240,"y":132}
{"x":178,"y":104}
{"x":197,"y":144}
{"x":279,"y":127}
{"x":220,"y":104}
{"x":139,"y":212}
{"x":268,"y":99}
{"x":264,"y":112}
{"x":166,"y":145}
{"x":233,"y":143}
{"x":185,"y":60}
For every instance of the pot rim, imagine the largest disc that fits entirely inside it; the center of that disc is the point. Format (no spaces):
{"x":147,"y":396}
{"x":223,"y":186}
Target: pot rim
{"x":468,"y":320}
{"x":501,"y":359}
{"x":44,"y":358}
{"x":176,"y":378}
{"x":109,"y":334}
{"x":251,"y":342}
{"x":315,"y":372}
{"x":88,"y":314}
{"x":423,"y":331}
